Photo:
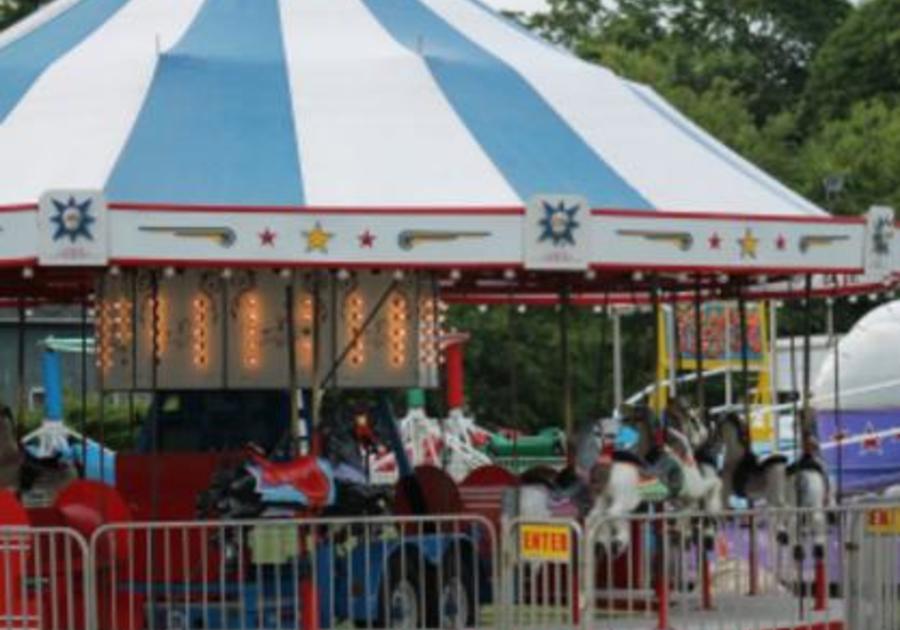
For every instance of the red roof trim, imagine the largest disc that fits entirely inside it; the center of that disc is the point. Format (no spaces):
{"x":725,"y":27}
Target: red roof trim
{"x":24,"y":207}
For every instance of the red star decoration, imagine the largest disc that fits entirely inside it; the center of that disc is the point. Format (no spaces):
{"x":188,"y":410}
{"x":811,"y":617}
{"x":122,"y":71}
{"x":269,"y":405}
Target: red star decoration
{"x":715,"y":241}
{"x":267,"y":237}
{"x":366,"y":239}
{"x":872,"y":442}
{"x":780,"y":243}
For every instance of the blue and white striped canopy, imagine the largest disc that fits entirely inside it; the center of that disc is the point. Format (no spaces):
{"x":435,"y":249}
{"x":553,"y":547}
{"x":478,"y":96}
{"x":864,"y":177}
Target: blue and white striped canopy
{"x":362,"y":103}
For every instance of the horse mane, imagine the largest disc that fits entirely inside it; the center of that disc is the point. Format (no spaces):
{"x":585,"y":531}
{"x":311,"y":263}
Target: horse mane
{"x":739,"y":427}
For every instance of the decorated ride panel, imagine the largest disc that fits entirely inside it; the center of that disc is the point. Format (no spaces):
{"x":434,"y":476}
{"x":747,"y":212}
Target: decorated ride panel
{"x":205,"y":329}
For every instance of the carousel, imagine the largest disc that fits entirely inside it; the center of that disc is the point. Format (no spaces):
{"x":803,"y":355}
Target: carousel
{"x":278,"y":200}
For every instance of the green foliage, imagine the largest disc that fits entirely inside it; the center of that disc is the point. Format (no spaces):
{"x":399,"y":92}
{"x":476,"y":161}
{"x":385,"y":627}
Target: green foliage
{"x":865,"y":147}
{"x":14,"y":10}
{"x":860,"y":61}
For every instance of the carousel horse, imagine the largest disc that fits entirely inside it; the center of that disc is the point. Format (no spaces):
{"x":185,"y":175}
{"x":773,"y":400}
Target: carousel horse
{"x":808,"y":487}
{"x":22,"y":472}
{"x":748,"y":476}
{"x":604,"y":486}
{"x":691,"y":476}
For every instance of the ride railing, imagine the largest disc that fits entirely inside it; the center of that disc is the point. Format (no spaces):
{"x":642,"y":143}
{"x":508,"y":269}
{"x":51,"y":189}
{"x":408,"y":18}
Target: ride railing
{"x":376,"y":572}
{"x":44,"y":579}
{"x":541,"y":575}
{"x":753,"y":569}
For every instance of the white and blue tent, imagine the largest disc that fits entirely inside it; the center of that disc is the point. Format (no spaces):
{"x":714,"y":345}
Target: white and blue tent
{"x":441,"y":106}
{"x":341,"y":102}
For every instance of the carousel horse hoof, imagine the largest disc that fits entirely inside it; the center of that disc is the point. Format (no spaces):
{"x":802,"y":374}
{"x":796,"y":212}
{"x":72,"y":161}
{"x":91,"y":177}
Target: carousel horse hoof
{"x":799,"y":553}
{"x":819,"y":552}
{"x":782,"y":538}
{"x":709,"y":543}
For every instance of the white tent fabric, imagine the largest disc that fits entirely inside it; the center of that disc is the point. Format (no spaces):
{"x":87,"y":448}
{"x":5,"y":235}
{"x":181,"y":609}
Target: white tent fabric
{"x":869,"y":375}
{"x":361,"y":103}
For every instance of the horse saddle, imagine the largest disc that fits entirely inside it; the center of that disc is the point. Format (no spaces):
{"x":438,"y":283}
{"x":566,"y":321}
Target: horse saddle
{"x":667,"y":470}
{"x":305,"y":474}
{"x":752,"y":466}
{"x":808,"y":462}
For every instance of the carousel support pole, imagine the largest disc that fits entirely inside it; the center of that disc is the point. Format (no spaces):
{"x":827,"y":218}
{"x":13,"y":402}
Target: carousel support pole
{"x":745,"y":378}
{"x":808,"y":431}
{"x":659,"y":375}
{"x":83,"y":375}
{"x":700,"y":391}
{"x":838,"y":420}
{"x":156,"y":325}
{"x":618,"y":388}
{"x":21,"y":394}
{"x":316,"y":386}
{"x":705,"y":566}
{"x":292,"y":364}
{"x":513,"y":377}
{"x":568,"y":412}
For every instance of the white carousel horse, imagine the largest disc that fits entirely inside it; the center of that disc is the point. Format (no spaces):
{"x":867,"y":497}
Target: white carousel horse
{"x":695,"y":484}
{"x":605,"y":486}
{"x":746,"y":475}
{"x":808,"y":488}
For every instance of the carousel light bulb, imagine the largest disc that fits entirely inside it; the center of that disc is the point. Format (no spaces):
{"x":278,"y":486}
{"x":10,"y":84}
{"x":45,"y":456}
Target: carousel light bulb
{"x":522,"y":309}
{"x":399,"y":275}
{"x":873,"y":297}
{"x":455,"y":274}
{"x":115,"y":270}
{"x":354,"y":329}
{"x":597,"y":309}
{"x":590,"y":274}
{"x":343,"y":275}
{"x":637,"y":276}
{"x":169,"y":272}
{"x":853,"y":299}
{"x":226,"y":273}
{"x":509,"y":274}
{"x":252,"y":331}
{"x":27,"y":273}
{"x":482,"y":308}
{"x":285,"y":274}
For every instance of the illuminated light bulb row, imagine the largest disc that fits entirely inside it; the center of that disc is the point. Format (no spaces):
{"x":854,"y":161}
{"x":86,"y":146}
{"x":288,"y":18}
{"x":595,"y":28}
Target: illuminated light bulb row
{"x":355,"y":315}
{"x":157,"y":330}
{"x":397,"y":334}
{"x":251,"y":318}
{"x":122,"y":318}
{"x":305,"y":314}
{"x":428,"y":333}
{"x":200,"y":309}
{"x":104,"y":335}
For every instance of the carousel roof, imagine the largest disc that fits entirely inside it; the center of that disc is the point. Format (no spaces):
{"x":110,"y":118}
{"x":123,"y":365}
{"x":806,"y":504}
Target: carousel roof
{"x":354,"y":103}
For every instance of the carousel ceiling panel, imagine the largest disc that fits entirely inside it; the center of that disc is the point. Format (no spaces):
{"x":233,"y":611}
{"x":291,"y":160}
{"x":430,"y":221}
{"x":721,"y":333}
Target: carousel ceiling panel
{"x":364,"y":103}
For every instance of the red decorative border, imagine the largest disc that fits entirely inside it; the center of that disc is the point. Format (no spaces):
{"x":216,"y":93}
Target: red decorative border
{"x":25,"y":207}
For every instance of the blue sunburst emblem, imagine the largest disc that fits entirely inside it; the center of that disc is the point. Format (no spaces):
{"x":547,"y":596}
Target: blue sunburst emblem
{"x":73,"y":220}
{"x":559,"y":224}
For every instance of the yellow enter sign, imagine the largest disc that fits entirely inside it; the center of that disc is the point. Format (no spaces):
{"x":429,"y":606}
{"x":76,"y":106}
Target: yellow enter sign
{"x":884,"y":521}
{"x":545,"y":542}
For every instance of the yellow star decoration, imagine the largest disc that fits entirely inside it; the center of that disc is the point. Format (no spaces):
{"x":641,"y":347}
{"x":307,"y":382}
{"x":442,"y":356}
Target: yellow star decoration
{"x":748,"y":244}
{"x":317,"y":239}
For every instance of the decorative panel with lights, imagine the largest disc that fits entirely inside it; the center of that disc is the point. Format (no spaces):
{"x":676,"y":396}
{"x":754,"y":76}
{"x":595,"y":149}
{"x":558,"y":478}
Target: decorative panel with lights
{"x":180,"y":322}
{"x":203,"y":329}
{"x":258,"y":353}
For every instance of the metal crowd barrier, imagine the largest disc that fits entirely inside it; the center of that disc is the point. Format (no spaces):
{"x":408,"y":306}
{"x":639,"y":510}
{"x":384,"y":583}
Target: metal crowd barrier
{"x":834,"y":570}
{"x":44,"y":579}
{"x":754,"y":570}
{"x":323,"y":573}
{"x":541,"y":574}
